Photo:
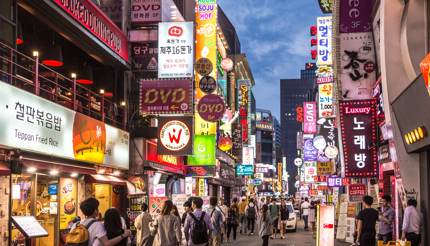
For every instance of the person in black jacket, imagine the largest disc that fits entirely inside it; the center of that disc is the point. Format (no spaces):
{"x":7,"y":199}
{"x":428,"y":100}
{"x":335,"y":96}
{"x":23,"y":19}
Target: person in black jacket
{"x":114,"y":226}
{"x":188,"y":209}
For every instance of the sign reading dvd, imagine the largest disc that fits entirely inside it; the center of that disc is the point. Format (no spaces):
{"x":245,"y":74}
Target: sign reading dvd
{"x":174,"y":135}
{"x":175,"y":49}
{"x":211,"y":108}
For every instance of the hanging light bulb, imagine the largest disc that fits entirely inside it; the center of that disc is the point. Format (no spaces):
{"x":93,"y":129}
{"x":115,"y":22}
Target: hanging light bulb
{"x":19,"y":37}
{"x":86,"y":76}
{"x":53,"y":56}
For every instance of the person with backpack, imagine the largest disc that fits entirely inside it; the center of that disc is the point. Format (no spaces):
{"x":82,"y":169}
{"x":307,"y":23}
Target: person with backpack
{"x":143,"y":232}
{"x":274,"y":216}
{"x":167,"y":227}
{"x":232,"y":221}
{"x":284,"y":214}
{"x":198,"y":225}
{"x":90,"y":231}
{"x":114,"y":225}
{"x":217,"y":221}
{"x":251,"y":216}
{"x":224,"y":209}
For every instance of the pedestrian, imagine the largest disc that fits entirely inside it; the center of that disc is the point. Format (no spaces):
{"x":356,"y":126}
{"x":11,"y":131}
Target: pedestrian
{"x":224,"y":210}
{"x":412,"y":223}
{"x":366,"y":233}
{"x":96,"y":230}
{"x":284,"y":215}
{"x":312,"y":217}
{"x":305,"y":212}
{"x":143,"y":232}
{"x":265,"y":225}
{"x":242,"y":217}
{"x":274,"y":217}
{"x":232,"y":221}
{"x":114,"y":226}
{"x":251,"y":216}
{"x":167,"y":227}
{"x":386,"y":220}
{"x":217,"y":221}
{"x":175,"y":212}
{"x":187,"y":209}
{"x":198,"y":225}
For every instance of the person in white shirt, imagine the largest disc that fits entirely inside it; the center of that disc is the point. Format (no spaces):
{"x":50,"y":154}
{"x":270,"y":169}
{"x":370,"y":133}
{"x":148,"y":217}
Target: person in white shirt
{"x":96,"y":229}
{"x":305,"y":212}
{"x":143,"y":232}
{"x":412,"y":223}
{"x":224,"y":210}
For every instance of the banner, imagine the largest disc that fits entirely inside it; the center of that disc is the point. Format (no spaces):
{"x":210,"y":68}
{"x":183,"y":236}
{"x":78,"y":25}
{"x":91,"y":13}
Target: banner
{"x":324,"y":38}
{"x":145,"y":56}
{"x":358,"y":129}
{"x":175,"y":49}
{"x":204,"y":151}
{"x":166,"y":96}
{"x":356,"y":16}
{"x":310,"y":118}
{"x":175,"y":135}
{"x":358,"y":67}
{"x":145,"y":11}
{"x":37,"y":125}
{"x":325,"y":100}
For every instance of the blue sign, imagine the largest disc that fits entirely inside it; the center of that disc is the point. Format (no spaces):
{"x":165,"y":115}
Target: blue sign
{"x":52,"y":189}
{"x":244,"y":170}
{"x":257,"y":181}
{"x":310,"y":153}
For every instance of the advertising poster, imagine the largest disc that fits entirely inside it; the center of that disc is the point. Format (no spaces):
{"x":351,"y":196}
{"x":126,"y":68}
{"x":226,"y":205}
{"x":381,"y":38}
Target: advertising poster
{"x":175,"y":49}
{"x":324,"y":38}
{"x":68,"y":201}
{"x":204,"y":151}
{"x":356,"y":192}
{"x":358,"y":129}
{"x":310,"y":153}
{"x":248,"y":156}
{"x":145,"y":56}
{"x":37,"y":125}
{"x":166,"y":96}
{"x":310,"y":118}
{"x":325,"y":233}
{"x":155,"y":205}
{"x":358,"y":67}
{"x":356,"y":16}
{"x":175,"y":135}
{"x":145,"y":11}
{"x":325,"y":100}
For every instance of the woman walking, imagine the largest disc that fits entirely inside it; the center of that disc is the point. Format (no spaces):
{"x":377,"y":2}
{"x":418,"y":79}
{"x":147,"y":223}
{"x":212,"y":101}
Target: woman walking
{"x":167,"y":227}
{"x":232,"y":221}
{"x":114,"y":226}
{"x":265,"y":225}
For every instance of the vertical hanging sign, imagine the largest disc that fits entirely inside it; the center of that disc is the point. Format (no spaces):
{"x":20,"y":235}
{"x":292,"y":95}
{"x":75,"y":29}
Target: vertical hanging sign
{"x":310,"y":116}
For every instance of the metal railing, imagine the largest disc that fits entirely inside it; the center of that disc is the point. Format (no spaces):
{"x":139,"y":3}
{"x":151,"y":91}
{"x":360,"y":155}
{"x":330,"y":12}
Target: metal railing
{"x":29,"y":74}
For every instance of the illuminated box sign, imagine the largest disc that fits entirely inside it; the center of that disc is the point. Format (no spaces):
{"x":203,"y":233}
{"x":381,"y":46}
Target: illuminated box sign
{"x":244,"y":170}
{"x":145,"y":11}
{"x":310,"y":153}
{"x":35,"y":124}
{"x":356,"y":16}
{"x":326,"y":6}
{"x":175,"y":135}
{"x":145,"y":56}
{"x":325,"y":221}
{"x":170,"y":163}
{"x":324,"y":37}
{"x":264,"y":126}
{"x":310,"y":118}
{"x":248,"y":156}
{"x":356,"y":192}
{"x":86,"y":13}
{"x":201,"y":171}
{"x":334,"y":181}
{"x":325,"y":100}
{"x":358,"y":129}
{"x":204,"y":151}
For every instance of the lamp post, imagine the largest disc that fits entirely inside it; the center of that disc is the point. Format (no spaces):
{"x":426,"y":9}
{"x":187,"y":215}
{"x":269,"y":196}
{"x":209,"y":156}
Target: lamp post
{"x":102,"y":104}
{"x":73,"y":75}
{"x":36,"y":72}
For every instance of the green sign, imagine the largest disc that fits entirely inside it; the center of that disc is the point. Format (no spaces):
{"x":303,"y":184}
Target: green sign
{"x":204,"y":151}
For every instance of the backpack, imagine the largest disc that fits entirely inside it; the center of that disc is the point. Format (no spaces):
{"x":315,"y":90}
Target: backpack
{"x":199,"y":232}
{"x":79,"y":236}
{"x":285,"y":213}
{"x":251,"y":212}
{"x":232,"y":216}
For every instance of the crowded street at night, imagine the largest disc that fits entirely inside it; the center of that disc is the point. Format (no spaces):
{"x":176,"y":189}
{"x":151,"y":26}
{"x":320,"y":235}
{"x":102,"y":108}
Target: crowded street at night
{"x":214,"y":122}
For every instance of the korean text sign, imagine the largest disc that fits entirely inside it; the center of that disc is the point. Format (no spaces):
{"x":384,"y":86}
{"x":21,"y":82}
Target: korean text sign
{"x":358,"y":129}
{"x":324,"y":38}
{"x":356,"y":16}
{"x":310,"y":153}
{"x":144,"y":11}
{"x":325,"y":100}
{"x":37,"y":125}
{"x":175,"y":49}
{"x":356,"y":192}
{"x":310,"y":118}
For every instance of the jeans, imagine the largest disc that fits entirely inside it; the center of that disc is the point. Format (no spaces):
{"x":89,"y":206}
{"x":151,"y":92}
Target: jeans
{"x":386,"y":237}
{"x":305,"y":218}
{"x":251,"y":225}
{"x":242,"y":219}
{"x":265,"y":240}
{"x":229,"y":228}
{"x":215,"y":240}
{"x":414,"y":238}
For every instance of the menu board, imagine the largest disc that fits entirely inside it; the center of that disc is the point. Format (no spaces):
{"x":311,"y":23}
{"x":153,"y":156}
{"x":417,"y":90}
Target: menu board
{"x":29,"y":226}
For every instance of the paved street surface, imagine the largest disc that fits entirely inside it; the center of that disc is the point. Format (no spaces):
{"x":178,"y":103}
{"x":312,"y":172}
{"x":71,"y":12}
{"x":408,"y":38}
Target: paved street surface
{"x":299,"y":238}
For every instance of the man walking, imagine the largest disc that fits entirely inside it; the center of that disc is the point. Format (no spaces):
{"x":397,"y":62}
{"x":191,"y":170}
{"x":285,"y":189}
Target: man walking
{"x":251,"y":216}
{"x":198,"y":225}
{"x":224,"y":209}
{"x":305,"y":212}
{"x":242,"y":216}
{"x":412,"y":223}
{"x":217,"y":222}
{"x":366,"y":232}
{"x":143,"y":232}
{"x":274,"y":217}
{"x":386,"y":220}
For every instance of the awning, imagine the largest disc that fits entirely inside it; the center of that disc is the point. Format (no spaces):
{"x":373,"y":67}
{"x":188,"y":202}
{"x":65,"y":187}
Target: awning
{"x":4,"y":169}
{"x":63,"y":166}
{"x":107,"y":179}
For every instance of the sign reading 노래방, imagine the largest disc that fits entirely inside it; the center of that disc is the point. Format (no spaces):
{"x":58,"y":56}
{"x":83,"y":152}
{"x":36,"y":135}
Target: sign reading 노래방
{"x":166,"y":96}
{"x":175,"y":49}
{"x":324,"y":38}
{"x":358,"y":129}
{"x":145,"y":11}
{"x":37,"y":125}
{"x":87,"y":14}
{"x":175,"y":135}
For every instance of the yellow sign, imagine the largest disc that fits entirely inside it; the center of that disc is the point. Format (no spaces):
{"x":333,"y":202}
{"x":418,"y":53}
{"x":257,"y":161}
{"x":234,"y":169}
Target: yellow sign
{"x":202,"y":127}
{"x":201,"y":187}
{"x":324,"y":168}
{"x":68,"y":201}
{"x":280,"y":171}
{"x":103,"y":193}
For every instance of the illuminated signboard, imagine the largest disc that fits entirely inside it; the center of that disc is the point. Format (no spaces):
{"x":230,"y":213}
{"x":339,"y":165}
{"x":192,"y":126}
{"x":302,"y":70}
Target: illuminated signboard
{"x":334,"y":181}
{"x":324,"y":37}
{"x":204,"y":151}
{"x":325,"y":100}
{"x":310,"y":118}
{"x":325,"y":231}
{"x":244,"y":170}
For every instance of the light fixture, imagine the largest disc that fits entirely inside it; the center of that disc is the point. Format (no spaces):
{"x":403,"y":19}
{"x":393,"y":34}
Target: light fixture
{"x":73,"y":75}
{"x":35,"y":53}
{"x":53,"y":57}
{"x":101,"y":171}
{"x":86,"y":76}
{"x":53,"y":172}
{"x":74,"y":175}
{"x":415,"y":135}
{"x":116,"y":173}
{"x":102,"y":91}
{"x":108,"y":94}
{"x":123,"y":103}
{"x":31,"y":169}
{"x":19,"y":37}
